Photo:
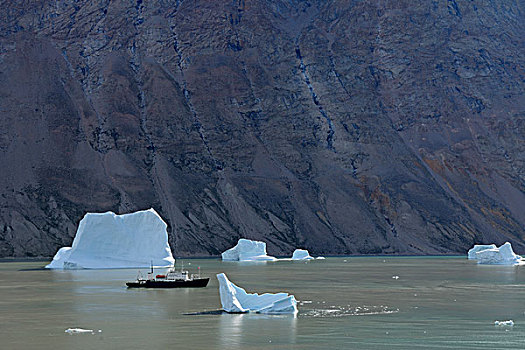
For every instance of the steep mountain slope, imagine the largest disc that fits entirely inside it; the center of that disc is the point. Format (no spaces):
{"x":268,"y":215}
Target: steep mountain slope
{"x":360,"y":127}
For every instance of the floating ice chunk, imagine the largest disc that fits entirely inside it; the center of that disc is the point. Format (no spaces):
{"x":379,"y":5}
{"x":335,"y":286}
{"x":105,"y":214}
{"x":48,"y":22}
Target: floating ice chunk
{"x":395,"y":277}
{"x":79,"y":331}
{"x":107,"y":240}
{"x":499,"y":256}
{"x":509,"y":323}
{"x":479,"y":247}
{"x":235,"y":299}
{"x":320,"y":258}
{"x":301,"y":254}
{"x":247,"y":250}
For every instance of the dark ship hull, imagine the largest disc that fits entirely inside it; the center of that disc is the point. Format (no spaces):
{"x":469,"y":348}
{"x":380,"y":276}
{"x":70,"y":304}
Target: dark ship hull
{"x":194,"y":283}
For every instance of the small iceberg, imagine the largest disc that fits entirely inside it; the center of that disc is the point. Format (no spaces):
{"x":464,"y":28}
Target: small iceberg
{"x":509,"y":323}
{"x":301,"y":254}
{"x":503,"y":255}
{"x":234,"y":299}
{"x":478,"y":247}
{"x":247,"y":250}
{"x":80,"y":331}
{"x":111,"y":241}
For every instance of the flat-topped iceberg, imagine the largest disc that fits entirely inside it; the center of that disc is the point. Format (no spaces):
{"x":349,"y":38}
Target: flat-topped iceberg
{"x":247,"y":250}
{"x":235,"y":299}
{"x":301,"y":254}
{"x":109,"y":241}
{"x":478,"y":247}
{"x":503,"y":255}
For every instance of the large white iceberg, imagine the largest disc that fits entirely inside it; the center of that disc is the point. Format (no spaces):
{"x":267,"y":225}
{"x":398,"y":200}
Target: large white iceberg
{"x":235,"y":299}
{"x":499,"y":256}
{"x":247,"y":250}
{"x":301,"y":254}
{"x":479,"y":247}
{"x":109,"y":241}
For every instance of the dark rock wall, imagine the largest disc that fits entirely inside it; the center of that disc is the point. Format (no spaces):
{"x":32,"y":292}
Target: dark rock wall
{"x":362,"y":127}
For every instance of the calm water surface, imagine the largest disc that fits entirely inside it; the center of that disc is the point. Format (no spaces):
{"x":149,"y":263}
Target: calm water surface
{"x":345,"y":303}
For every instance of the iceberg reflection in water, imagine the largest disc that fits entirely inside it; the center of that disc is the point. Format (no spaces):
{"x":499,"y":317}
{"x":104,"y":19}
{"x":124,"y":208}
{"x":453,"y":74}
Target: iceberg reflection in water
{"x":237,"y":330}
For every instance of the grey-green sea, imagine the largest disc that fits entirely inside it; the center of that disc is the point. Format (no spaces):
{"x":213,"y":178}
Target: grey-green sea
{"x":344,"y":303}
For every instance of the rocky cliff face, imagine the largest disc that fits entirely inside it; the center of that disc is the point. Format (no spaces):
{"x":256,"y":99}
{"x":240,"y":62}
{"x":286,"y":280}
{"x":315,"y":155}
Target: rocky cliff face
{"x":360,"y":127}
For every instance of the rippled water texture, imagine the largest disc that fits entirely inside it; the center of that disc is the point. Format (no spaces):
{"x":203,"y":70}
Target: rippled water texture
{"x":345,"y":303}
